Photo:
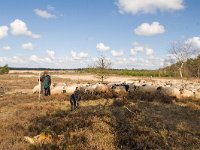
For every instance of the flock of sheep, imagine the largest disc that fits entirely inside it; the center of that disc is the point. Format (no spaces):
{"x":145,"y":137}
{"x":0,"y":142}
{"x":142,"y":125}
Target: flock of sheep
{"x":175,"y":89}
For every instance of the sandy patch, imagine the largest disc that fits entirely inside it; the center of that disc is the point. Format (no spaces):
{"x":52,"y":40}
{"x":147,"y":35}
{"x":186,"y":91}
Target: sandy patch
{"x":83,"y":77}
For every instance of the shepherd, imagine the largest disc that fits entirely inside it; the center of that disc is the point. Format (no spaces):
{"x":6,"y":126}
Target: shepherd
{"x":47,"y":83}
{"x":74,"y":99}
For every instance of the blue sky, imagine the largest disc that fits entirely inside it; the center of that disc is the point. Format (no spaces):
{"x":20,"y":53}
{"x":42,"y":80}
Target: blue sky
{"x":73,"y":33}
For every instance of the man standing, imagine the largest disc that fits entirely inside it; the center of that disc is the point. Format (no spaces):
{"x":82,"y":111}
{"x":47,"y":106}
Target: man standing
{"x":47,"y":84}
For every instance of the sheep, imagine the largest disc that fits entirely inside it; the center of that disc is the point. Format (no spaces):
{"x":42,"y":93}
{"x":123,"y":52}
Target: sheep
{"x":90,"y":88}
{"x":110,"y":85}
{"x":133,"y":87}
{"x":54,"y":87}
{"x":186,"y":93}
{"x":58,"y":84}
{"x":101,"y":88}
{"x":169,"y":91}
{"x":70,"y":89}
{"x":142,"y":81}
{"x":197,"y":95}
{"x":58,"y":89}
{"x":119,"y":91}
{"x":147,"y":89}
{"x":82,"y":87}
{"x":36,"y":89}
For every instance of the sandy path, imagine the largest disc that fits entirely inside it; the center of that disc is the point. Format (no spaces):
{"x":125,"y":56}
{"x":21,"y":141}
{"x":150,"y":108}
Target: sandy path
{"x":86,"y":77}
{"x":112,"y":78}
{"x":94,"y":78}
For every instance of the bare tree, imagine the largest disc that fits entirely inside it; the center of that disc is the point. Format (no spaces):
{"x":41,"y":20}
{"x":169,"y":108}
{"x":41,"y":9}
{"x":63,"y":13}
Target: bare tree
{"x":181,"y":51}
{"x":102,"y":64}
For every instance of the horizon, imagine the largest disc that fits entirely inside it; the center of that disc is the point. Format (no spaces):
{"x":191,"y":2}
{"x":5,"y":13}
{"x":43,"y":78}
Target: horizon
{"x":73,"y":34}
{"x":29,"y":68}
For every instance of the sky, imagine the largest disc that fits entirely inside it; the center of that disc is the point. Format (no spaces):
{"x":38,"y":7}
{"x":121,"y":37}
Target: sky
{"x":75,"y":33}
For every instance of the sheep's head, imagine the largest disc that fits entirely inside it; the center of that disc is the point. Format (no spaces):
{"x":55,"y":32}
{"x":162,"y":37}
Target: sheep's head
{"x":54,"y":84}
{"x":181,"y":90}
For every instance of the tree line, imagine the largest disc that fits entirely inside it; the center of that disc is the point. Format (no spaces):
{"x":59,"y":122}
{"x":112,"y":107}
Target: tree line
{"x":190,"y":68}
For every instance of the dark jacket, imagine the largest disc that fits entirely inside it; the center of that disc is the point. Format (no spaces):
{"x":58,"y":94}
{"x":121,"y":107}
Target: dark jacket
{"x":47,"y":81}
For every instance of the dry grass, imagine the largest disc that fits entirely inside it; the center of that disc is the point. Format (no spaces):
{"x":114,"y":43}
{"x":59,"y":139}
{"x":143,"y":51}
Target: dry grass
{"x":135,"y":122}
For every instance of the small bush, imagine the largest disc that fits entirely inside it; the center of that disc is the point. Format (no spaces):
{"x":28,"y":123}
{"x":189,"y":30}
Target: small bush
{"x":4,"y":69}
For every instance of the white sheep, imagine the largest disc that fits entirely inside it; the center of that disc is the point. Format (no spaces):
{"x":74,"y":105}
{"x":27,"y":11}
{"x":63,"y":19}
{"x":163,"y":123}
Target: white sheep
{"x":197,"y":95}
{"x":186,"y":93}
{"x":71,"y":88}
{"x":90,"y":89}
{"x":58,"y":89}
{"x":101,"y":88}
{"x":147,"y":89}
{"x":169,"y":91}
{"x":36,"y":89}
{"x":119,"y":90}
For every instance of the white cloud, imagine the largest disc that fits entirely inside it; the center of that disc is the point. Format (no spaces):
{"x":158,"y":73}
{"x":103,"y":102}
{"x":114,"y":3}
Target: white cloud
{"x":6,"y":48}
{"x":149,"y":6}
{"x":117,"y":53}
{"x":3,"y":31}
{"x":146,"y":29}
{"x":169,"y":60}
{"x":44,"y":14}
{"x":149,"y":51}
{"x":14,"y":59}
{"x":50,"y":54}
{"x":18,"y":27}
{"x":120,"y":63}
{"x":146,"y":63}
{"x":78,"y":56}
{"x":34,"y":61}
{"x":44,"y":60}
{"x":28,"y":46}
{"x":142,"y":62}
{"x":68,"y":62}
{"x":34,"y":58}
{"x":194,"y":41}
{"x":102,"y":47}
{"x":137,"y":60}
{"x":137,"y":49}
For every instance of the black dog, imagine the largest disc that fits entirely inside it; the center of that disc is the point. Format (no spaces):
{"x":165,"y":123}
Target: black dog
{"x":74,"y":99}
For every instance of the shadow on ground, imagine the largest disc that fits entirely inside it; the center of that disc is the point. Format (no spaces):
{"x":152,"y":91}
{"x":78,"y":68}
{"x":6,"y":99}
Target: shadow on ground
{"x":122,"y":124}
